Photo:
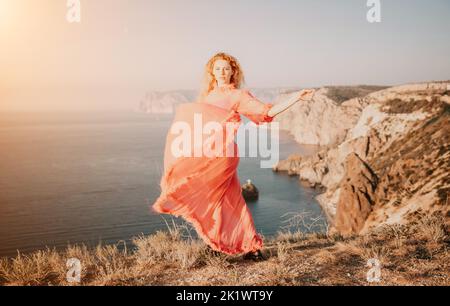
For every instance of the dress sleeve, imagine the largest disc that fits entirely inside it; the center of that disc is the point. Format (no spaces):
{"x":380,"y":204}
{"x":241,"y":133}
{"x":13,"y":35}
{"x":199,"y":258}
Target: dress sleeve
{"x":252,"y":108}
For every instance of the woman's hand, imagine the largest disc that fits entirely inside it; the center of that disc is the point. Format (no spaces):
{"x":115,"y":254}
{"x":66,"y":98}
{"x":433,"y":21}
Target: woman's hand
{"x":306,"y":94}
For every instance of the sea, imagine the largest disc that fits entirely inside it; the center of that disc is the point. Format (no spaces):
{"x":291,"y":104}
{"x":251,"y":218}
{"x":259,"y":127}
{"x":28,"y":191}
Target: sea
{"x":91,"y":177}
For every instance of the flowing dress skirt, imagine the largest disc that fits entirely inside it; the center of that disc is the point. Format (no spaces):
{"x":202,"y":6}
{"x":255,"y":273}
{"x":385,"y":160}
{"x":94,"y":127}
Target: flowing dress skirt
{"x":205,"y":190}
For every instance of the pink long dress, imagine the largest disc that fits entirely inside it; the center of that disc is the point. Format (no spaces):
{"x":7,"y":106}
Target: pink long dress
{"x":206,"y":190}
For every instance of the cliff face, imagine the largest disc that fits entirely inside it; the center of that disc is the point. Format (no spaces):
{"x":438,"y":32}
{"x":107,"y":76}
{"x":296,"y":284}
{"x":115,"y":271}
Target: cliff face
{"x":156,"y":102}
{"x":393,"y":163}
{"x":326,"y":119}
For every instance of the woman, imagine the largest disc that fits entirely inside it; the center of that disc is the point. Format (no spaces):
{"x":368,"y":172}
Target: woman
{"x":205,"y":190}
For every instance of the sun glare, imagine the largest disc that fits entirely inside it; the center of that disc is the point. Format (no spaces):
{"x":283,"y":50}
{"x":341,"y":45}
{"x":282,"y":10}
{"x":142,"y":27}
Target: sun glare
{"x":5,"y":13}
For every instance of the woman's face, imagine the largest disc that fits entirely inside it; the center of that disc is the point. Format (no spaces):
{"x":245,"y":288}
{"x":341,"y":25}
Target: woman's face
{"x":222,"y":72}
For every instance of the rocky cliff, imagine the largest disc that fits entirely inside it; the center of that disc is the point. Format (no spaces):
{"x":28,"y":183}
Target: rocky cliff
{"x":157,"y":102}
{"x":326,"y":119}
{"x":390,"y":160}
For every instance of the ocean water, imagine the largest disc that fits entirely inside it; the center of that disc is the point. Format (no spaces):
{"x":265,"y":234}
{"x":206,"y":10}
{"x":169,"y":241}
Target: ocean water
{"x":69,"y":178}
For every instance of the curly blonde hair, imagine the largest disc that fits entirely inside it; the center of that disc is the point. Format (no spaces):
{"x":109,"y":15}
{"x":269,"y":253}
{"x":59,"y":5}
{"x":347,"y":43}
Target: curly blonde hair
{"x":209,"y":82}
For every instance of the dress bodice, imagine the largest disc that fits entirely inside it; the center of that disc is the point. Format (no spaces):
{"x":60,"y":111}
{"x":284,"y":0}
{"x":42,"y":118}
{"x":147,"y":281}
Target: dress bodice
{"x":224,"y":97}
{"x":241,"y":101}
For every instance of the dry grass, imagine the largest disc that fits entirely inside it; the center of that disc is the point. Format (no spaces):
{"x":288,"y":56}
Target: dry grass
{"x":343,"y":93}
{"x":416,"y":254}
{"x":432,"y":228}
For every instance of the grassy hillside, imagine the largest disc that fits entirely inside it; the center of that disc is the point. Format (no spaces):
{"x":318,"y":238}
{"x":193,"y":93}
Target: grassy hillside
{"x":417,"y":254}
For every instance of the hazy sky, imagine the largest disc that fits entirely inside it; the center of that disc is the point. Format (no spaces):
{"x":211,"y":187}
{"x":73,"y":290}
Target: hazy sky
{"x":122,"y":48}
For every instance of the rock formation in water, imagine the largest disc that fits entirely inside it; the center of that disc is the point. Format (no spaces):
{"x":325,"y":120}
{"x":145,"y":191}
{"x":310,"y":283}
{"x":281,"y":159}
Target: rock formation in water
{"x":391,"y":158}
{"x":249,"y":191}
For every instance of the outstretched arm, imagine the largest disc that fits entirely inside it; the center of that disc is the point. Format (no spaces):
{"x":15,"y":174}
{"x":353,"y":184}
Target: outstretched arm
{"x":259,"y":112}
{"x":304,"y":95}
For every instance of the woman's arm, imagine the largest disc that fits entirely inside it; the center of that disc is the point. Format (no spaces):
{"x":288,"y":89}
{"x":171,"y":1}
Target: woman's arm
{"x":304,"y":95}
